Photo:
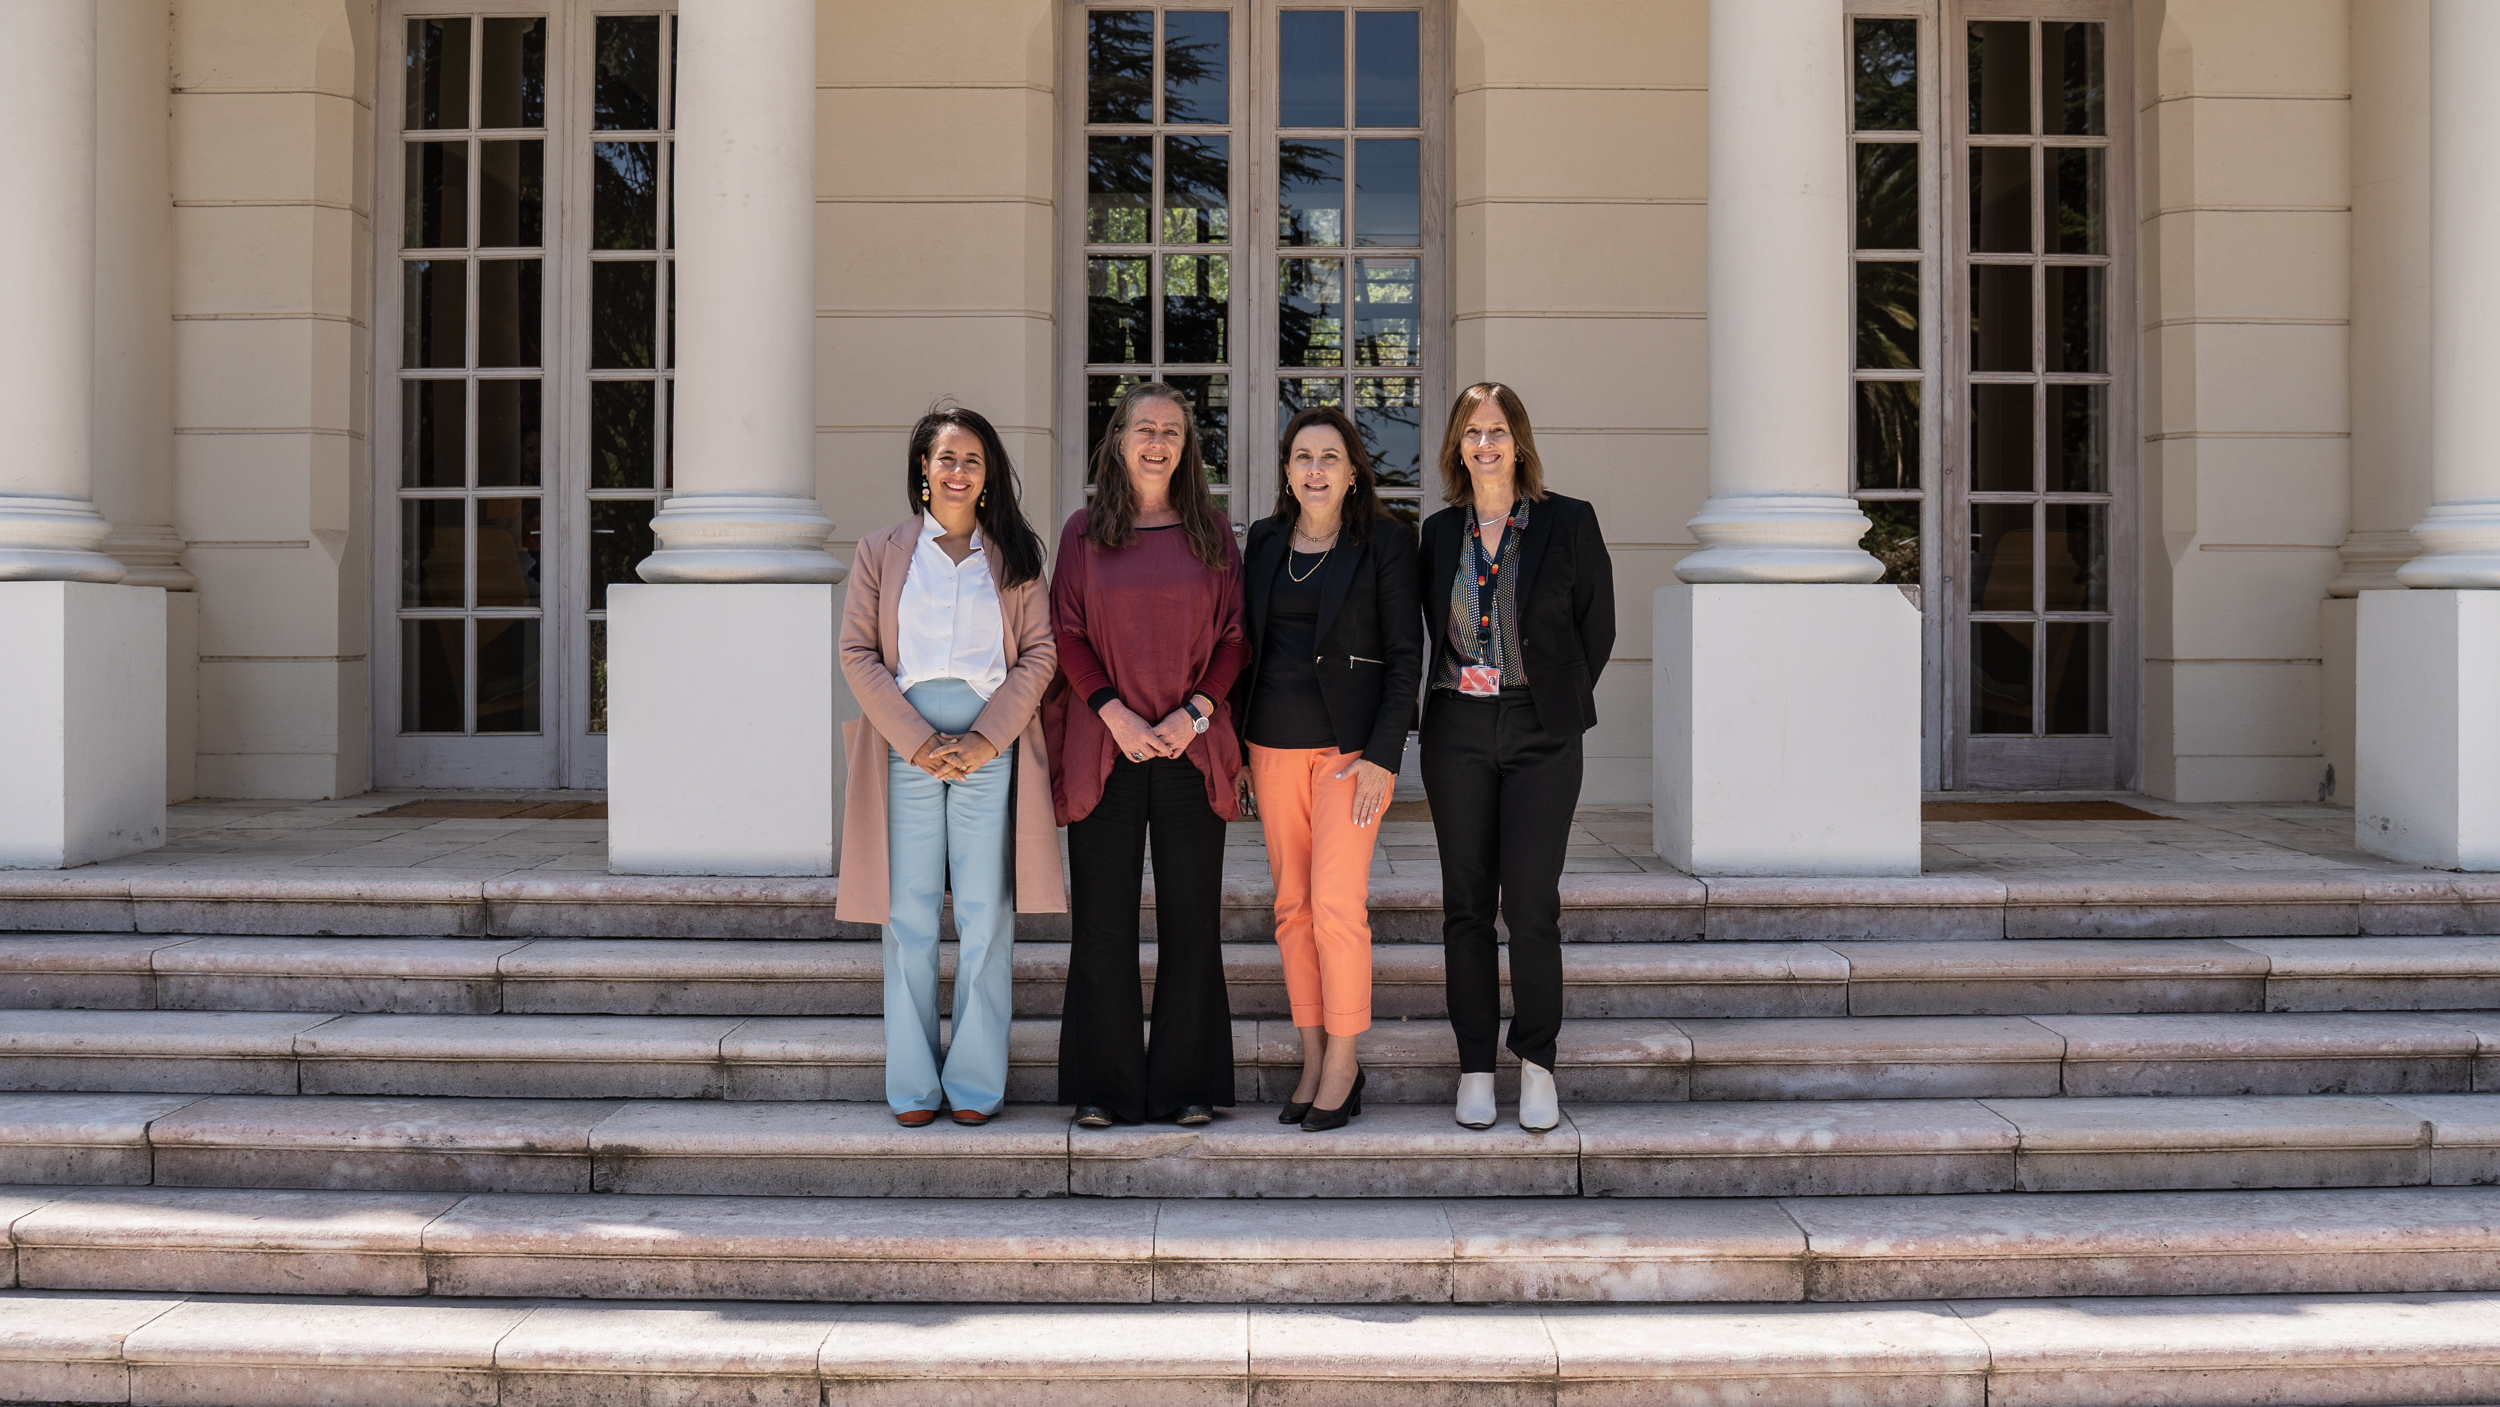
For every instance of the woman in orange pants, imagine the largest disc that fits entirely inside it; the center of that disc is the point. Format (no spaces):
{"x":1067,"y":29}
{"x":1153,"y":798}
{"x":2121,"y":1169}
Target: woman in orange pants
{"x":1337,"y":656}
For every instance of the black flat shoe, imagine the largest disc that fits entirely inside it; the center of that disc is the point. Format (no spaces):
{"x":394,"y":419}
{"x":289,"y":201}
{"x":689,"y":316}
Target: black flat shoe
{"x":1191,"y":1116}
{"x":1093,"y":1116}
{"x":1322,"y":1120}
{"x":1293,"y":1113}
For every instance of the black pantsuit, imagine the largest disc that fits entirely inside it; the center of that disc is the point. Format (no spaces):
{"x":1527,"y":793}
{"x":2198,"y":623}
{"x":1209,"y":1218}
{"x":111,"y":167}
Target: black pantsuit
{"x":1104,"y":1056}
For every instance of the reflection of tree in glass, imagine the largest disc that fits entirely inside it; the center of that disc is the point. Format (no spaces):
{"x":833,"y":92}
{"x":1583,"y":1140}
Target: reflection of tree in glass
{"x":624,"y":178}
{"x":1197,"y":303}
{"x":1888,"y":195}
{"x":626,"y":96}
{"x":1888,"y":435}
{"x":1893,"y":540}
{"x":1311,"y":166}
{"x":1120,"y":66}
{"x":1310,"y":312}
{"x":1193,"y":68}
{"x":1887,"y":78}
{"x":1887,"y":316}
{"x":1115,"y":310}
{"x":1119,"y":175}
{"x":1197,"y":190}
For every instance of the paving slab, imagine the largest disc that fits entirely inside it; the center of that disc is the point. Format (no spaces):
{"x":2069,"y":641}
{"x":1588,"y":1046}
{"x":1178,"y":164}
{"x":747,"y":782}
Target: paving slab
{"x":1784,"y":1356}
{"x":2184,"y":904}
{"x":2465,"y":1135}
{"x":659,"y":906}
{"x":1888,"y":1057}
{"x":102,"y":971}
{"x":241,"y":1242}
{"x":843,"y":1057}
{"x":687,"y":1355}
{"x":204,"y":1052}
{"x":1793,"y":1148}
{"x":374,"y":1353}
{"x":1685,"y":979}
{"x":380,"y":1145}
{"x":1523,"y":1252}
{"x":2153,"y":1143}
{"x":561,"y":1057}
{"x":1044,"y":1355}
{"x":1416,"y":1062}
{"x":16,"y":1204}
{"x":1216,"y":1251}
{"x":2168,"y":1243}
{"x":419,"y":976}
{"x":67,"y":901}
{"x":85,"y":1140}
{"x":2020,"y":977}
{"x":1361,"y":1356}
{"x":825,"y":1149}
{"x":778,"y":1248}
{"x":268,"y":899}
{"x":1392,"y":1151}
{"x":2265,"y":1053}
{"x":59,"y":1348}
{"x":677,"y":977}
{"x":2379,"y":974}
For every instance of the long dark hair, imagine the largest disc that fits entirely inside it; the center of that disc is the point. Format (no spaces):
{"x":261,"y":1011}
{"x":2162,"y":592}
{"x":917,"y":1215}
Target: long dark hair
{"x":1111,"y":519}
{"x":1001,"y":517}
{"x":1362,"y":505}
{"x":1527,"y":472}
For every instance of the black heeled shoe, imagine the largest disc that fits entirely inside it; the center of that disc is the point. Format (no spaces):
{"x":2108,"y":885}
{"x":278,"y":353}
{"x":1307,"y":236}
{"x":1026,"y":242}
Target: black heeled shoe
{"x":1093,"y":1116}
{"x":1322,"y":1120}
{"x":1293,"y":1113}
{"x":1193,"y":1115}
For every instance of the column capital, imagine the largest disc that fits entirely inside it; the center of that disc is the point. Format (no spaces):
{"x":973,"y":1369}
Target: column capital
{"x":1780,"y":537}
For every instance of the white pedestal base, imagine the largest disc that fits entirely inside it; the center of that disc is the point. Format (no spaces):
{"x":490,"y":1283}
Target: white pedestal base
{"x":2426,"y":722}
{"x":723,"y":745}
{"x":82,"y":722}
{"x":1787,"y":724}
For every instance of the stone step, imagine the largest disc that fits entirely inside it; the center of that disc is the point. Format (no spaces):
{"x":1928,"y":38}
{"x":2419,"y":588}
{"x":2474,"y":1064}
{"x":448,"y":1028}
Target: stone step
{"x":1799,"y":1148}
{"x":1622,"y":1059}
{"x":676,"y":977}
{"x":2320,"y":1350}
{"x":1143,"y":1250}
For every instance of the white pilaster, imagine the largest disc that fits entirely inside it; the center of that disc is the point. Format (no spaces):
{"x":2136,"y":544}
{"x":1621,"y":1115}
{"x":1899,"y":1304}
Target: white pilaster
{"x":2427,"y":730}
{"x":134,"y":353}
{"x":82,"y":716}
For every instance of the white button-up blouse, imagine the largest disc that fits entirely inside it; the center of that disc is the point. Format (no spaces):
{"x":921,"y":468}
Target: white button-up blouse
{"x":948,"y":619}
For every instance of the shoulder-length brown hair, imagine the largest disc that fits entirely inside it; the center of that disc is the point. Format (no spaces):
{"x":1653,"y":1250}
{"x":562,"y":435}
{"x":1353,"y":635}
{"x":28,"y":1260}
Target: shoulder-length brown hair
{"x":1529,"y":473}
{"x":1111,"y":518}
{"x":1362,"y":505}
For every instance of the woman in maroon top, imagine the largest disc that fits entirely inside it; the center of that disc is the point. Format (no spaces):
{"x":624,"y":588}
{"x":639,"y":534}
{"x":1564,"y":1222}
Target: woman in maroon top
{"x":1147,"y":605}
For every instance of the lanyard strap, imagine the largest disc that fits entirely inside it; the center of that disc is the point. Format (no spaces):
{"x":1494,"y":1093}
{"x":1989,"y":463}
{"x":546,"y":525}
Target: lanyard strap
{"x":1486,"y":587}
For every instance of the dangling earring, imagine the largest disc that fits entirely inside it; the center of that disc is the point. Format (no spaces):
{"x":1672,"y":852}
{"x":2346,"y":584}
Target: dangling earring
{"x":985,"y":499}
{"x":924,"y":488}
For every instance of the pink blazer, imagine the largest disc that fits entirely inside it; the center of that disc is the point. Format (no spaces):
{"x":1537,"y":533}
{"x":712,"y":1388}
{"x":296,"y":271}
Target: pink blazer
{"x":1012,"y":716}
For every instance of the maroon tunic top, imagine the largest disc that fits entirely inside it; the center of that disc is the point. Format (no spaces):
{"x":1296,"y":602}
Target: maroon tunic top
{"x":1153,"y":623}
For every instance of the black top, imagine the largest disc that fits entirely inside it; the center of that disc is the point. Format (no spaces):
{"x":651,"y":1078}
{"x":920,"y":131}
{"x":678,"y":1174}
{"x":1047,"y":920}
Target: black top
{"x":1566,"y":604}
{"x":1367,"y":648}
{"x":1286,"y":710}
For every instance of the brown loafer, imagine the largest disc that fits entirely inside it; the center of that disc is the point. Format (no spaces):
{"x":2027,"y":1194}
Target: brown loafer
{"x":916,"y":1118}
{"x":971,"y":1118}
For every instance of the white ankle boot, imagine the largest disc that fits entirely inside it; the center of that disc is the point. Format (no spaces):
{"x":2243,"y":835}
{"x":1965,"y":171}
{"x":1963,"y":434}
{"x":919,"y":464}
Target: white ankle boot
{"x":1539,"y":1107}
{"x":1475,"y":1101}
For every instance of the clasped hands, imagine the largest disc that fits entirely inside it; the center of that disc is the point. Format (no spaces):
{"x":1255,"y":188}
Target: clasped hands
{"x":951,"y":757}
{"x":1138,"y":740}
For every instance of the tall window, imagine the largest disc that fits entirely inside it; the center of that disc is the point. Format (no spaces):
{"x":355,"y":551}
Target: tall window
{"x":1256,"y":228}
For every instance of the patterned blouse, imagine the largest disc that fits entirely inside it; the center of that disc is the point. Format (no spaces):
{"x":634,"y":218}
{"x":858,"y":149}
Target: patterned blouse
{"x":1484,"y":604}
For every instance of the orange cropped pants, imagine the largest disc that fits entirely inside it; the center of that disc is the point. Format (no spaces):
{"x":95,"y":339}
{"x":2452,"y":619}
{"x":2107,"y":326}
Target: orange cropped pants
{"x":1322,"y":862}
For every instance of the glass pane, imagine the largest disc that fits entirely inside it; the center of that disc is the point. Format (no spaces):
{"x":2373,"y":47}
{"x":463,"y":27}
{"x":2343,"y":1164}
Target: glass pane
{"x":2076,"y":547}
{"x":1887,"y":316}
{"x":2000,"y":439}
{"x":625,"y":94}
{"x":669,"y":267}
{"x":437,"y":206}
{"x":668,"y":435}
{"x":2079,"y":439}
{"x":1389,"y":411}
{"x":1310,"y":312}
{"x":429,"y":675}
{"x":2000,"y":317}
{"x":1310,"y":206}
{"x":1311,"y":61}
{"x":620,"y":537}
{"x":1119,"y":183}
{"x":1197,"y":66}
{"x":1197,"y":184}
{"x":2000,"y":76}
{"x":620,"y":434}
{"x":598,"y":690}
{"x":2077,"y":665}
{"x":2000,"y":676}
{"x":2071,"y":51}
{"x":1102,"y":396}
{"x":508,"y":551}
{"x":2078,"y":225}
{"x":621,"y":295}
{"x":1115,"y":316}
{"x":1406,"y":510}
{"x":1388,"y":328}
{"x":1888,"y":195}
{"x":1888,"y":435}
{"x":438,"y":76}
{"x":1388,"y":67}
{"x":1120,"y":66}
{"x":624,"y":195}
{"x":433,"y":420}
{"x":1295,"y":394}
{"x":1211,"y":402}
{"x":2077,"y":319}
{"x":513,"y":87}
{"x":434,"y":316}
{"x":509,"y":449}
{"x":1389,"y":192}
{"x":2000,"y":204}
{"x":1892,"y":538}
{"x":2000,"y":556}
{"x":507,"y":312}
{"x":433,"y":553}
{"x":1197,"y":308}
{"x":668,"y":236}
{"x":1887,"y":75}
{"x":512,"y":195}
{"x":507,"y":676}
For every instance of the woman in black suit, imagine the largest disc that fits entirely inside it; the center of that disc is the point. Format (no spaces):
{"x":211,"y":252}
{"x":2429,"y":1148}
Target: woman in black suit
{"x":1337,"y":653}
{"x":1519,"y":602}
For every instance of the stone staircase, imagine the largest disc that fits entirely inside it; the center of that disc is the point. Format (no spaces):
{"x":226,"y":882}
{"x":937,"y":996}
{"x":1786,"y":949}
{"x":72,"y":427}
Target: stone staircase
{"x":381,"y":1169}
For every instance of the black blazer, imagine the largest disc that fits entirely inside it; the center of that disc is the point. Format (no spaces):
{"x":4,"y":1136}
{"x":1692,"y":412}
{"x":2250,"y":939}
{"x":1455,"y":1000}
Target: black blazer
{"x":1371,"y":646}
{"x":1566,"y":596}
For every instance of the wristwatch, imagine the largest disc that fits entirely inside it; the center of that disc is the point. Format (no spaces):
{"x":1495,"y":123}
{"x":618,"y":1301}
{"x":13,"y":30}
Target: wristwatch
{"x":1197,"y":721}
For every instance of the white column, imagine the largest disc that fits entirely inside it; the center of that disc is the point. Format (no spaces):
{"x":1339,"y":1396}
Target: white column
{"x":134,"y":353}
